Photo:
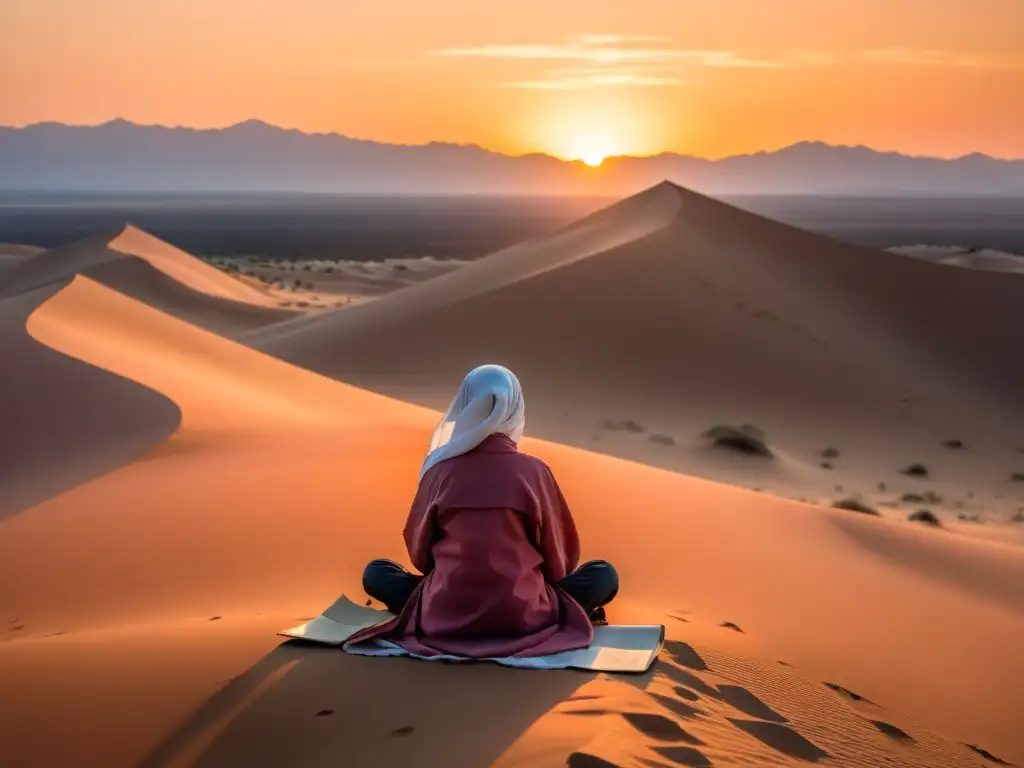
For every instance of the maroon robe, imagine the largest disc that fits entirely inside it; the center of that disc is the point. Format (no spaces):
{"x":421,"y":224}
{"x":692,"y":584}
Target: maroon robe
{"x":493,"y":534}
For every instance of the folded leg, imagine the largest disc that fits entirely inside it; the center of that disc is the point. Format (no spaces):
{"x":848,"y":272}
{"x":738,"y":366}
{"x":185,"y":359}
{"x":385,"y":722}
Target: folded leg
{"x":389,"y":583}
{"x":592,"y":585}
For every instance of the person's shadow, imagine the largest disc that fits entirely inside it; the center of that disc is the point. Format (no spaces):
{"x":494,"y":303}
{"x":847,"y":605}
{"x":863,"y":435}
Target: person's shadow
{"x":304,"y":705}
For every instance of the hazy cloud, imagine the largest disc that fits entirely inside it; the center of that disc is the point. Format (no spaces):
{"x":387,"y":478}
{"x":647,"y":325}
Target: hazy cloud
{"x":609,"y":60}
{"x":581,"y":82}
{"x":615,"y":49}
{"x":935,"y":58}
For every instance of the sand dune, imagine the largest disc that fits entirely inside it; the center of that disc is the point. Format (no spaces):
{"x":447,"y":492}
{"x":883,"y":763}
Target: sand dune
{"x":144,"y":267}
{"x":64,"y":421}
{"x":677,"y":313}
{"x":141,"y":606}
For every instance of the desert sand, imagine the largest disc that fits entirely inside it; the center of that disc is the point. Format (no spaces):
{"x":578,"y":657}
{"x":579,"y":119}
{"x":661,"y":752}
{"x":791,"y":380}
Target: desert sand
{"x":144,"y":267}
{"x":233,"y":493}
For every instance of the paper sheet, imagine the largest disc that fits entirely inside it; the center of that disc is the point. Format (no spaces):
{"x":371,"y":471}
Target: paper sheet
{"x":616,"y":648}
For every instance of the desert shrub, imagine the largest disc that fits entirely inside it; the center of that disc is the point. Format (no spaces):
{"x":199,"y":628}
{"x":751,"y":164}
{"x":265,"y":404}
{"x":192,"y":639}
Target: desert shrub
{"x":830,"y":453}
{"x":912,"y":498}
{"x":855,"y":505}
{"x":915,"y":470}
{"x":1018,"y":517}
{"x":302,"y":304}
{"x":666,"y":440}
{"x":954,"y":444}
{"x":826,"y":465}
{"x":925,"y":516}
{"x":744,"y":439}
{"x":1017,"y":477}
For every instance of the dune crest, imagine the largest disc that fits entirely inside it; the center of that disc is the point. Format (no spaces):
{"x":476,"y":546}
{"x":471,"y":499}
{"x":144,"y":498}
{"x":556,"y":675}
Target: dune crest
{"x":64,"y":421}
{"x":678,"y":313}
{"x":140,"y":608}
{"x":146,"y":268}
{"x":185,"y":268}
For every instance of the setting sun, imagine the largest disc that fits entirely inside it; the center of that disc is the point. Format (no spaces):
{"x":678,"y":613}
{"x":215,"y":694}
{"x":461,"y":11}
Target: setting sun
{"x":593,"y":159}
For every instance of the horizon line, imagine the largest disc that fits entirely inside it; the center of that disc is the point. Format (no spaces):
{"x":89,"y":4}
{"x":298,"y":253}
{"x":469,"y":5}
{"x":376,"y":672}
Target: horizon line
{"x":338,"y":134}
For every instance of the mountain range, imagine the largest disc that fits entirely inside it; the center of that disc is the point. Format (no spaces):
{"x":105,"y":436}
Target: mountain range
{"x":256,"y":157}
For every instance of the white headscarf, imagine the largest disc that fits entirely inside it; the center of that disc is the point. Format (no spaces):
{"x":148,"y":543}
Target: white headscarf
{"x":489,"y":401}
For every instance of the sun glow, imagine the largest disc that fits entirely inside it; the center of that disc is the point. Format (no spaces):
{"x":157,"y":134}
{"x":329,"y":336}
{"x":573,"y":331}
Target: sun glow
{"x":592,"y":150}
{"x":593,"y":130}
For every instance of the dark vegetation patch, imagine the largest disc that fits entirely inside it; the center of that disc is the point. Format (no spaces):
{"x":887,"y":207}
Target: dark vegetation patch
{"x":926,"y":517}
{"x":915,"y":470}
{"x":745,"y":439}
{"x":855,"y":505}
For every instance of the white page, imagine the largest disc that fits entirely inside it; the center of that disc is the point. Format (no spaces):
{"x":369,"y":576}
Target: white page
{"x":615,"y":648}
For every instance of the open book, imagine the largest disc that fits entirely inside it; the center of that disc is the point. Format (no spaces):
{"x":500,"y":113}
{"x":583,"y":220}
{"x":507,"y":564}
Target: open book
{"x":615,"y":648}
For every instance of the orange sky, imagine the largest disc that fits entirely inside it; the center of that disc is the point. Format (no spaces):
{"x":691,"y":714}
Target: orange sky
{"x":569,"y":77}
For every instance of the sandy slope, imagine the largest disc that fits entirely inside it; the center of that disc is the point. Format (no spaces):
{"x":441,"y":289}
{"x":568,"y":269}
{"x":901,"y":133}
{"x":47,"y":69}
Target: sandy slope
{"x":677,"y":312}
{"x":64,"y":422}
{"x":144,"y":267}
{"x":141,"y":605}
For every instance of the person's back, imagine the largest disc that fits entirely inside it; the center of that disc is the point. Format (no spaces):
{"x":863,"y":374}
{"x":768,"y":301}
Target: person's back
{"x":495,"y":540}
{"x":494,"y":557}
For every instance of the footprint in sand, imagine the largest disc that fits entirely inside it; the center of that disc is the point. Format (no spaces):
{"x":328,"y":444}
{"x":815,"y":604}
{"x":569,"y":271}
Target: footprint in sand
{"x":849,"y":694}
{"x":584,"y":760}
{"x":684,"y":756}
{"x":730,"y":625}
{"x":659,"y":727}
{"x":684,"y":654}
{"x":324,"y":713}
{"x":987,"y":755}
{"x":685,"y":693}
{"x":892,"y":731}
{"x":781,"y":738}
{"x":749,"y":704}
{"x":680,"y":708}
{"x":687,"y":679}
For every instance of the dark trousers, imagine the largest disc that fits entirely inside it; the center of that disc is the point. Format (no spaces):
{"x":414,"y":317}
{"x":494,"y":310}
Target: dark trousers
{"x":592,"y":585}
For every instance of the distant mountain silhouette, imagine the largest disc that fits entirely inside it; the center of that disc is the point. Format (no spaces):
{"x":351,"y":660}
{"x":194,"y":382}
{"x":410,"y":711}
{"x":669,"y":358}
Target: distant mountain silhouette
{"x":257,"y":157}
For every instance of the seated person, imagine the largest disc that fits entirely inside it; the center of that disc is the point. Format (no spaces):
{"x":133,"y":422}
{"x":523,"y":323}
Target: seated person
{"x":493,"y":536}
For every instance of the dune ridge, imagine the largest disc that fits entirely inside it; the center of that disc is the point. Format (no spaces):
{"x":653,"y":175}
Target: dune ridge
{"x":64,"y":421}
{"x":144,"y":267}
{"x":140,"y":606}
{"x":679,"y":313}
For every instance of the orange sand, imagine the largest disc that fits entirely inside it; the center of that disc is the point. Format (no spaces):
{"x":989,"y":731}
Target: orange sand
{"x":141,"y":605}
